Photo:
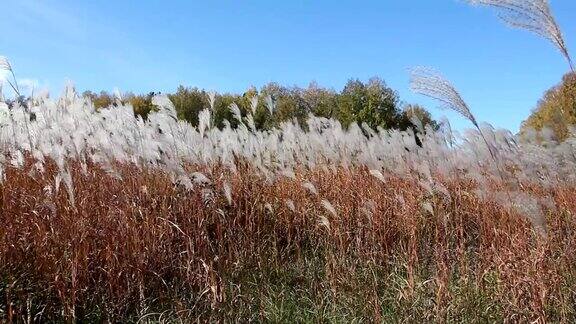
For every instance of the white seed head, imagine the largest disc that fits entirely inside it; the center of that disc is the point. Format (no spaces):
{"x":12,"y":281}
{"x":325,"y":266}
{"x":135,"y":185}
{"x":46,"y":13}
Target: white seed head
{"x":378,"y":175}
{"x":227,"y":189}
{"x":5,"y":64}
{"x":329,"y":207}
{"x":310,"y":187}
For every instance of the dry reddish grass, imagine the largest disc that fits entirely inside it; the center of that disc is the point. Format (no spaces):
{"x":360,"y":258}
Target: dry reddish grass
{"x":133,"y":247}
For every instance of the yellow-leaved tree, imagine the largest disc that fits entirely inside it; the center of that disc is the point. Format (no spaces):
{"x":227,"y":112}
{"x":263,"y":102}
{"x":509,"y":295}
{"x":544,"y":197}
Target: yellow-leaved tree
{"x":556,"y":110}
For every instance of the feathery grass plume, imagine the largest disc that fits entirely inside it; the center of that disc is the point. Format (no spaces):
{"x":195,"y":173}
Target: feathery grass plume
{"x":432,"y":84}
{"x":532,"y":15}
{"x":67,"y":178}
{"x":227,"y":189}
{"x":288,"y":174}
{"x":427,"y":206}
{"x":269,"y":208}
{"x":118,"y":95}
{"x":6,"y":66}
{"x":427,"y":186}
{"x":200,"y":179}
{"x":212,"y":99}
{"x":416,"y":121}
{"x":165,"y":105}
{"x":250,"y":122}
{"x":270,"y":104}
{"x":204,"y":121}
{"x":368,"y":209}
{"x":17,"y":159}
{"x":310,"y":187}
{"x":530,"y":208}
{"x":378,"y":175}
{"x":254,"y":104}
{"x":290,"y":204}
{"x":329,"y":207}
{"x":208,"y":197}
{"x":235,"y":110}
{"x":57,"y":182}
{"x":184,"y":183}
{"x":324,"y":221}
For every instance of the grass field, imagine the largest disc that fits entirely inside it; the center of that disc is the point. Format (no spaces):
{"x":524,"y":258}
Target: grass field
{"x":142,"y":249}
{"x":107,"y":216}
{"x":280,"y":226}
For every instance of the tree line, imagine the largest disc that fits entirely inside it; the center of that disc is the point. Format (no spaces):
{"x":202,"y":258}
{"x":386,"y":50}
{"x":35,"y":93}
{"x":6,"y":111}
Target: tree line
{"x":372,"y":103}
{"x":556,"y":111}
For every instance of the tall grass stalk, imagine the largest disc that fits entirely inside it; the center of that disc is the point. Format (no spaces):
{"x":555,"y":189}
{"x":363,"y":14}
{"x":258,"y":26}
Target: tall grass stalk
{"x":432,"y":84}
{"x":532,"y":15}
{"x":6,"y":66}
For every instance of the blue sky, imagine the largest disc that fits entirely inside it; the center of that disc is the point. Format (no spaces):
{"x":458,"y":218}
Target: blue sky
{"x":230,"y":45}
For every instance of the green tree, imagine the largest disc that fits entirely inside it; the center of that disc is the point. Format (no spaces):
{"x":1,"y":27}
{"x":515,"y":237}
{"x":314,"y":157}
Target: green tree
{"x":189,"y":102}
{"x":288,"y":105}
{"x":322,"y":102}
{"x":222,"y":110}
{"x":101,"y":100}
{"x":142,"y":104}
{"x":416,"y":111}
{"x":373,"y":103}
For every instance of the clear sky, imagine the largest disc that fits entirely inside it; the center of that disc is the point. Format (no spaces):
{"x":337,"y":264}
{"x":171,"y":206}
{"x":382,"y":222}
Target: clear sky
{"x":154,"y":45}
